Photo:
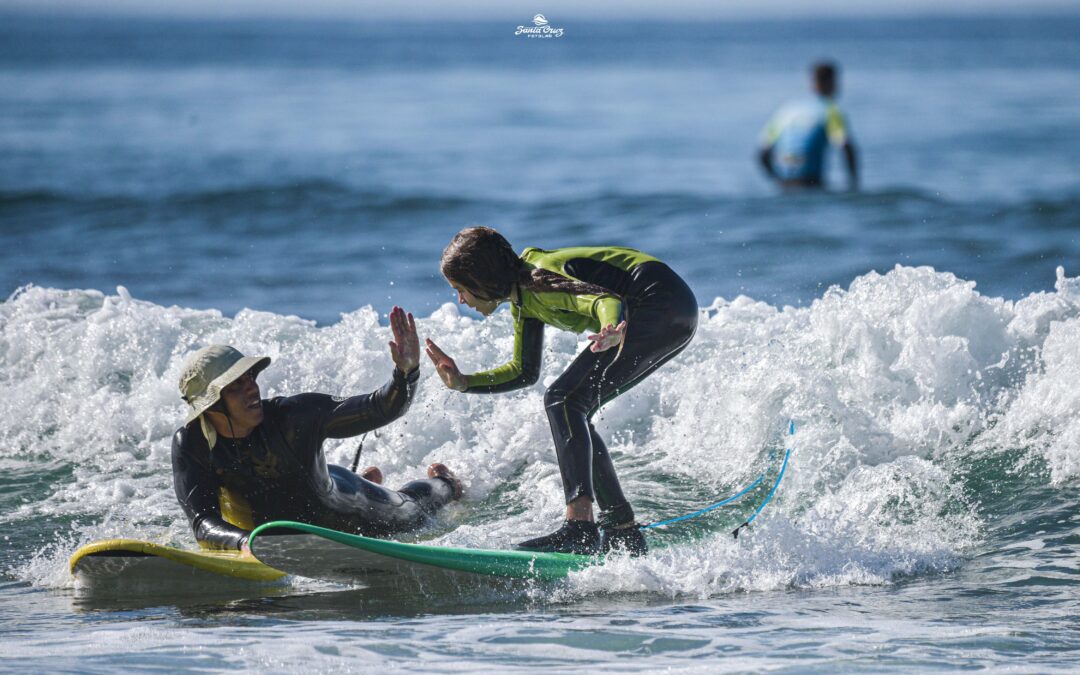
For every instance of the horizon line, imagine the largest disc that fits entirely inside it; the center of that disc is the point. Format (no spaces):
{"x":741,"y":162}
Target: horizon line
{"x":272,"y":13}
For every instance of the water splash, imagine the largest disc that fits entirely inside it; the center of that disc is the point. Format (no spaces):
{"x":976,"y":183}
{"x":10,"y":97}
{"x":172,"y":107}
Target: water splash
{"x":895,"y":383}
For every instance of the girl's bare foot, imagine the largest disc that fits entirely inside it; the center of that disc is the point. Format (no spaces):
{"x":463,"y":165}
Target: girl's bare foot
{"x":439,"y":470}
{"x":372,"y":474}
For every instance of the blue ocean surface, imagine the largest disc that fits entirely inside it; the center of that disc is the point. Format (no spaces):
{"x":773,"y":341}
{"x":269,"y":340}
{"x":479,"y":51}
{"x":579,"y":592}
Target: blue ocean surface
{"x":281,"y":185}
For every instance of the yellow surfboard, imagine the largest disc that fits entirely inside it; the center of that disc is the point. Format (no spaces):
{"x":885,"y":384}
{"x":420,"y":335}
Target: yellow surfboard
{"x":130,"y":561}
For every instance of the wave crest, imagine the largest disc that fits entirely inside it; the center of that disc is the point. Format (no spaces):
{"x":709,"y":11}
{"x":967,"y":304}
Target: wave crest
{"x":895,"y":384}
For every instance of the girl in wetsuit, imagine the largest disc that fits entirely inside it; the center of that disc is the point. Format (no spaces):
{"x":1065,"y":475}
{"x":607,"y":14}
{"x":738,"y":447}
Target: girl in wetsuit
{"x":640,"y":314}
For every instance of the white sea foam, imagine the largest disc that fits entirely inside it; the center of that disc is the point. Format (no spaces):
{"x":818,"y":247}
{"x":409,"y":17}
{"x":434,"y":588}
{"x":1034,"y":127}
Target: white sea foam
{"x":892,"y":383}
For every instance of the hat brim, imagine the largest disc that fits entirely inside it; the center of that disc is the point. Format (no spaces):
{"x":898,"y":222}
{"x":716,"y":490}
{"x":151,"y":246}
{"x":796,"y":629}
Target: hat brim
{"x":213,"y":390}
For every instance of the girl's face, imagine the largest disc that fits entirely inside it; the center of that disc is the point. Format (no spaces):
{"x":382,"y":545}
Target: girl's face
{"x":466,"y":297}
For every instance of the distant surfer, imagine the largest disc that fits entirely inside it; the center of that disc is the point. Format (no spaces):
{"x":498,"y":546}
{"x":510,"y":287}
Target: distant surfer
{"x":241,"y":460}
{"x":640,"y":314}
{"x":794,"y":142}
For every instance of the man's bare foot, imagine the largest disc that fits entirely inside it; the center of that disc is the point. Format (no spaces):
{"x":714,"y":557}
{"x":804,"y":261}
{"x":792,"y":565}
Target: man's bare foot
{"x":372,"y":474}
{"x":439,"y":470}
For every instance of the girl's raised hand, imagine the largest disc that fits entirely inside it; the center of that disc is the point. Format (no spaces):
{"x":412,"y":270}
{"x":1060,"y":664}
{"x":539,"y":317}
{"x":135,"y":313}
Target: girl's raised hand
{"x":446,"y":368}
{"x":608,"y":337}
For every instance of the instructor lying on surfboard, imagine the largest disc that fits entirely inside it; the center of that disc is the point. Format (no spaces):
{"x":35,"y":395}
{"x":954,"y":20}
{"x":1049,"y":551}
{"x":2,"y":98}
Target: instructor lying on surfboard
{"x":640,"y":314}
{"x":241,"y":461}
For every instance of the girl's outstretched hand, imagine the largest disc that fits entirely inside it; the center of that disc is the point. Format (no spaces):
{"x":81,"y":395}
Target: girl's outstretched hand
{"x":446,"y":368}
{"x":608,"y":337}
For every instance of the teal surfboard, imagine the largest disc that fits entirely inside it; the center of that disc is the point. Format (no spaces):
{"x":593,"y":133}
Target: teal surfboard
{"x":321,"y":553}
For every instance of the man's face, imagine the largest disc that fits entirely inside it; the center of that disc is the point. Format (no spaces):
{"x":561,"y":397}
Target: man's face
{"x":826,"y":86}
{"x":243,"y":401}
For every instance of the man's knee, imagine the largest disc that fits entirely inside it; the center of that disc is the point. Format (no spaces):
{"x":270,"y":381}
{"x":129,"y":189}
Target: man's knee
{"x":430,"y":494}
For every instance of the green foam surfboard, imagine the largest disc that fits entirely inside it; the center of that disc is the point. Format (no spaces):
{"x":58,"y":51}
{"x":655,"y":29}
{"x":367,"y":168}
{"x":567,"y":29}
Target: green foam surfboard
{"x":321,"y":553}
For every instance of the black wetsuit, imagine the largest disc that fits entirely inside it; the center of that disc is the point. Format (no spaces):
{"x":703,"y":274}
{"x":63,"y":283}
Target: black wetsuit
{"x":279,"y":471}
{"x":661,"y":315}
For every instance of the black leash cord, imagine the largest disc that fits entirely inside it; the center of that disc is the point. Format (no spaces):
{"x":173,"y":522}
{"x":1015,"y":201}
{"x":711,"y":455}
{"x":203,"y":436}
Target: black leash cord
{"x":359,"y":449}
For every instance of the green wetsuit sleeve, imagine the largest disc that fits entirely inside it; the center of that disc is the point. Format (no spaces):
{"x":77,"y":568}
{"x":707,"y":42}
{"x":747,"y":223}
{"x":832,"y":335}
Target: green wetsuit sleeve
{"x":523,"y":370}
{"x":605,"y":309}
{"x":770,"y":132}
{"x":836,"y":127}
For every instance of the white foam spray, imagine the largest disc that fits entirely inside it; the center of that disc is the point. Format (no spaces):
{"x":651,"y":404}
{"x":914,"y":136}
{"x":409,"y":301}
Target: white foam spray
{"x":893,"y":384}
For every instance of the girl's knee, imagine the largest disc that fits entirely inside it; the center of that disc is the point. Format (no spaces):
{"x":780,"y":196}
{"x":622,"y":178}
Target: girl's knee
{"x":554,"y":397}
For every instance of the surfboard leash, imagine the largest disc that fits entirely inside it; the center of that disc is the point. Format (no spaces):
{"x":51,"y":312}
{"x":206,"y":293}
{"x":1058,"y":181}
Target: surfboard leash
{"x":734,"y":497}
{"x":705,"y":510}
{"x":359,"y":449}
{"x":783,"y":467}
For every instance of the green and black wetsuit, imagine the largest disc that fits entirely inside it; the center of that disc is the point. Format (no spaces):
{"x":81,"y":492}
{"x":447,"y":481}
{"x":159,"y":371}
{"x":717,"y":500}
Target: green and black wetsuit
{"x":279,"y":471}
{"x":661,"y":315}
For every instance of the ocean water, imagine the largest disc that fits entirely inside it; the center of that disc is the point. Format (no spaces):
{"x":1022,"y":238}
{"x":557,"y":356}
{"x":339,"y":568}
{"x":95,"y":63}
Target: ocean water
{"x":279,"y":186}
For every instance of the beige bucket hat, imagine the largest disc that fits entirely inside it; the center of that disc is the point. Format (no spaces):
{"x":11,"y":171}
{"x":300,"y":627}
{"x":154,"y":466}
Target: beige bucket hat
{"x":211,"y":369}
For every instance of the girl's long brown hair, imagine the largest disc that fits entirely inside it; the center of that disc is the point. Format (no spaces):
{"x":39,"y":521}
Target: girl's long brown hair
{"x":483,"y":262}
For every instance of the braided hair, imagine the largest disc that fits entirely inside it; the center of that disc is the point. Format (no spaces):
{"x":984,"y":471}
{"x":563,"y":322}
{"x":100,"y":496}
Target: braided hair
{"x":481,"y":260}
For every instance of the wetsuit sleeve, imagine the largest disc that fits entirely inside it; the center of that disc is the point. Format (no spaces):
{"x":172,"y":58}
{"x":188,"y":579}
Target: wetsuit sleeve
{"x":606,"y":309}
{"x":343,"y":418}
{"x":523,"y":370}
{"x":197,"y":491}
{"x":770,"y":132}
{"x":836,"y":127}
